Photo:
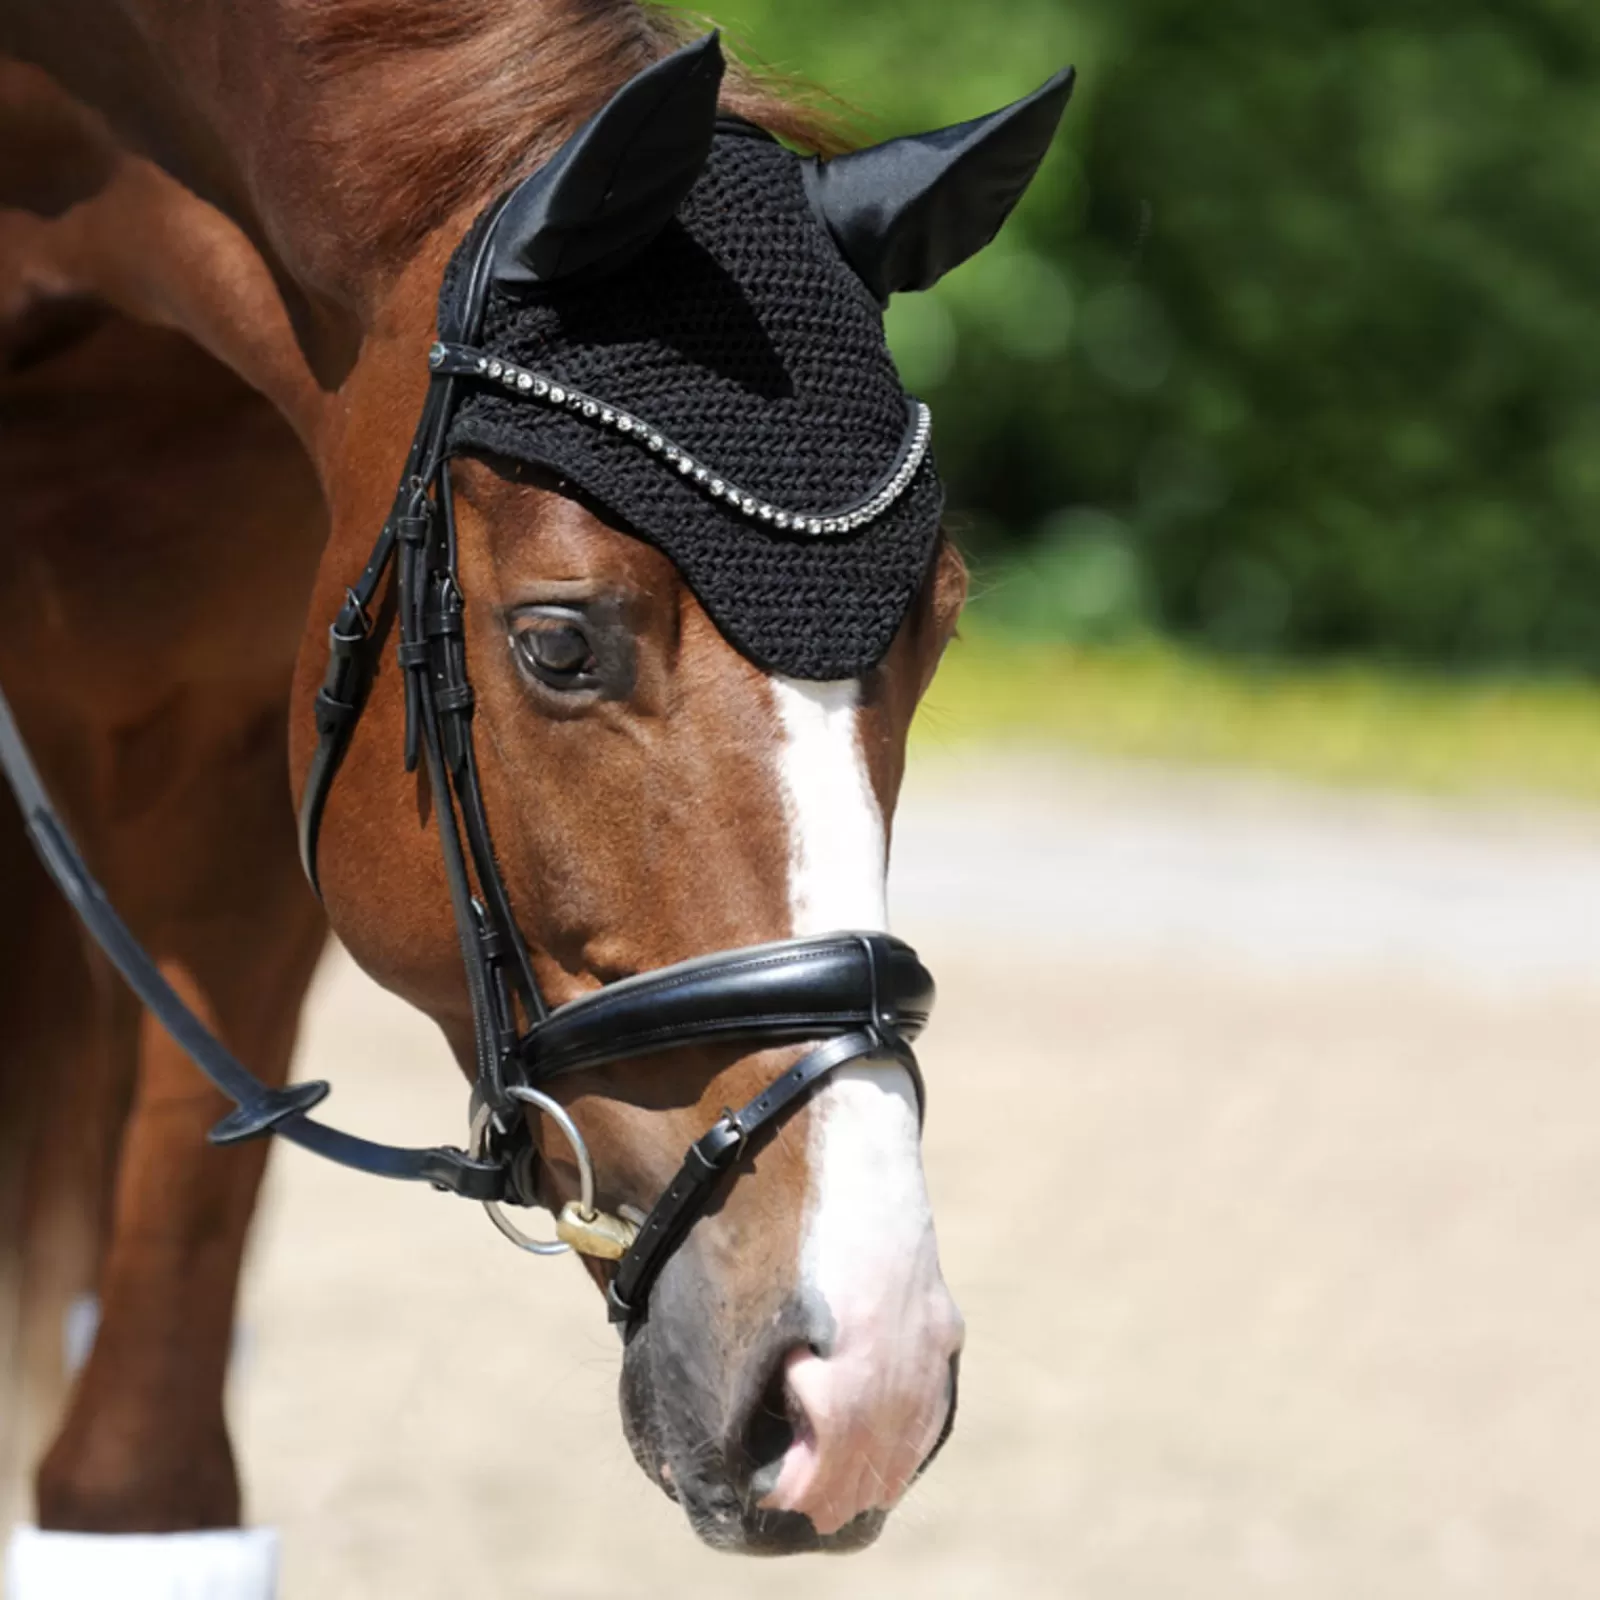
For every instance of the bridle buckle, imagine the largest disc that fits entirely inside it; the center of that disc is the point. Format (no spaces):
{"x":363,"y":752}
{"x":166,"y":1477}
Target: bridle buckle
{"x":741,"y":1134}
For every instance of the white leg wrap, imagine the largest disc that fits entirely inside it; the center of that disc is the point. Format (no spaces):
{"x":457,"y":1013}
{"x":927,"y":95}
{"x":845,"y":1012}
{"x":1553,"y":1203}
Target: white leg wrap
{"x":219,"y":1564}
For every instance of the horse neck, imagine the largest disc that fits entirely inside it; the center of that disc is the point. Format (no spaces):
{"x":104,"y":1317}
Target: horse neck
{"x":335,"y":134}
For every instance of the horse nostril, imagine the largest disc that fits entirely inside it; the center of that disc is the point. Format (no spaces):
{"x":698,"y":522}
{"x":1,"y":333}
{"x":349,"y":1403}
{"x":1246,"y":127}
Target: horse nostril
{"x":772,"y":1426}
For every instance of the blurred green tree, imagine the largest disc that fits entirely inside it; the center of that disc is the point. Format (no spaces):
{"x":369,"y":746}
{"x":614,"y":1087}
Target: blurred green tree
{"x":1294,"y":345}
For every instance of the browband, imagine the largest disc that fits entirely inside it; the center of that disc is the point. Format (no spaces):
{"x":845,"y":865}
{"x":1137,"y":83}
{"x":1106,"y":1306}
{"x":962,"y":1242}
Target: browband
{"x":466,"y":361}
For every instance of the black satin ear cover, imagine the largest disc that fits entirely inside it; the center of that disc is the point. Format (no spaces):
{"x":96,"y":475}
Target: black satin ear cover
{"x":617,"y":182}
{"x":904,"y":213}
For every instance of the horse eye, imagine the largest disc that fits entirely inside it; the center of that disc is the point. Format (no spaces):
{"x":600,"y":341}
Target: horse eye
{"x":556,"y":650}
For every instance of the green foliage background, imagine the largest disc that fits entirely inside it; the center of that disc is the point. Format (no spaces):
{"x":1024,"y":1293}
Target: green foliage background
{"x":1294,"y":346}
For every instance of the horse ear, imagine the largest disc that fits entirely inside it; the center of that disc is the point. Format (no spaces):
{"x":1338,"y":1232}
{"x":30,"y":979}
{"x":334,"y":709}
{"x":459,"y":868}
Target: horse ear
{"x":904,"y":213}
{"x":615,"y":184}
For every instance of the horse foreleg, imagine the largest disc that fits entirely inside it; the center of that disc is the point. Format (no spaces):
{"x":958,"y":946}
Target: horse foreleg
{"x":68,"y":1037}
{"x":144,"y":1449}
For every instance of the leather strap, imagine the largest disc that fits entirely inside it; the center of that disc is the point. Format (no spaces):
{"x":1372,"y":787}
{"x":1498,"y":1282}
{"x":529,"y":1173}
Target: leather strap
{"x":351,"y":647}
{"x":719,"y":1149}
{"x":260,"y":1110}
{"x":339,"y":703}
{"x":793,"y":990}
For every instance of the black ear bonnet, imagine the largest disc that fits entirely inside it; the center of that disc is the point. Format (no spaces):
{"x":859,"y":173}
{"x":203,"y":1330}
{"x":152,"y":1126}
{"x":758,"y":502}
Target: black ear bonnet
{"x":690,"y":333}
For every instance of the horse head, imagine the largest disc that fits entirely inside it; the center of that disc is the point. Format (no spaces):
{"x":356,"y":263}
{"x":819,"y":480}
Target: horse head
{"x":677,"y":535}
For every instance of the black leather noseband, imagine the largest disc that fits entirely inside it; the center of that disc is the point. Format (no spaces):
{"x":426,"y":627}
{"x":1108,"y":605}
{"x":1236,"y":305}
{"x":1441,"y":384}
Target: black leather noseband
{"x":857,"y":997}
{"x":866,"y":994}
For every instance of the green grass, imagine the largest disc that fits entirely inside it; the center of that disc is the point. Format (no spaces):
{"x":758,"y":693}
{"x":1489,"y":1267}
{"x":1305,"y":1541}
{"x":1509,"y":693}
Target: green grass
{"x":1346,"y":725}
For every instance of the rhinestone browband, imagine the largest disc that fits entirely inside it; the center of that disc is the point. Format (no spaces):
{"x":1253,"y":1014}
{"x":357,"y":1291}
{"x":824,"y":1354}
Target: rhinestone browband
{"x":457,"y":360}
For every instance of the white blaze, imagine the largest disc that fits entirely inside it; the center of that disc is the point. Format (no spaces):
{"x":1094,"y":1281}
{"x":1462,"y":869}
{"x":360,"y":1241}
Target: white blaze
{"x":877,"y":1402}
{"x":838,"y":872}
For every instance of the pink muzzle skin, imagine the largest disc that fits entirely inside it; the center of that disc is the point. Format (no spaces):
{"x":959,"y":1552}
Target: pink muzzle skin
{"x":866,"y":1416}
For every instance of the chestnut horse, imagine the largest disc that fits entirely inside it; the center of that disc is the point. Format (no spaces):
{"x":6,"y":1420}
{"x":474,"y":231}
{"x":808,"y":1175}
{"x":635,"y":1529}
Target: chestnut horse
{"x":222,"y":234}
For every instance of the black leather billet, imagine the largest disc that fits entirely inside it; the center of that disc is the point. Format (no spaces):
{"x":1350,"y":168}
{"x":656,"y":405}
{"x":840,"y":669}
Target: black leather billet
{"x":718,"y":1150}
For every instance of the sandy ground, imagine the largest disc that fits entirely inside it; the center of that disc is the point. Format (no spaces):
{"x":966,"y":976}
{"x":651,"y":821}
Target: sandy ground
{"x":1265,"y":1144}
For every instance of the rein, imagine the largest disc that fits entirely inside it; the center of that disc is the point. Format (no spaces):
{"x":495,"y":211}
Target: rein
{"x":864,"y":996}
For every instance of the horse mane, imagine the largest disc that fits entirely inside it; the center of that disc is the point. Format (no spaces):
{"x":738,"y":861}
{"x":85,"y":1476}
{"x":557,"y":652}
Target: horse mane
{"x":443,"y":102}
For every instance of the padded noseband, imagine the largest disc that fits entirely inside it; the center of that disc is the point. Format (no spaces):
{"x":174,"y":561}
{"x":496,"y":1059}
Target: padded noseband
{"x":866,"y":994}
{"x":768,"y":994}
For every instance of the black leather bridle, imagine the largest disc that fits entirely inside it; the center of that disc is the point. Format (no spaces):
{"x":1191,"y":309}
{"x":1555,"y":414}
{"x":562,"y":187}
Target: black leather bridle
{"x":859,"y":996}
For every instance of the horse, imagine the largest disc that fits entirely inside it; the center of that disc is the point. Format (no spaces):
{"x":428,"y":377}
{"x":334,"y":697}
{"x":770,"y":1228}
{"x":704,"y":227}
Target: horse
{"x":223,"y":234}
